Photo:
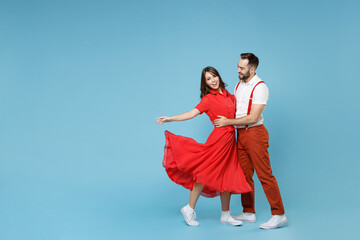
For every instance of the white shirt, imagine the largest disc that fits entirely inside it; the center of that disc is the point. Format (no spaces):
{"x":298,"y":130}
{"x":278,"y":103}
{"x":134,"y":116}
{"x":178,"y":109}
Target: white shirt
{"x":242,"y":95}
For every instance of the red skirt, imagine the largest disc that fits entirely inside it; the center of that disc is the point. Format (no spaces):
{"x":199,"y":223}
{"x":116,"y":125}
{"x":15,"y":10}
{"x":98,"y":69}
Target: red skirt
{"x":213,"y":164}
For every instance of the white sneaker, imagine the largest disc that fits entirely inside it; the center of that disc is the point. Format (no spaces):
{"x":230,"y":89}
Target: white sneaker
{"x":226,"y":218}
{"x":274,"y":222}
{"x":190,"y":216}
{"x":246,"y":217}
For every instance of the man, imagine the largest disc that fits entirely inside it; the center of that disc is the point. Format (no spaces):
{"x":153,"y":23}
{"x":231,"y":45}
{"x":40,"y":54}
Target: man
{"x":251,"y":95}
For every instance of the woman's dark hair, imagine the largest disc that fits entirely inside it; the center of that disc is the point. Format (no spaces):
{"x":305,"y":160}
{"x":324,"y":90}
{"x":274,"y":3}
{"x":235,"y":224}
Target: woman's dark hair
{"x":204,"y":88}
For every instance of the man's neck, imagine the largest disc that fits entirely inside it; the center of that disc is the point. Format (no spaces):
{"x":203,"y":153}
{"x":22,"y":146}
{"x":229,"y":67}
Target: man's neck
{"x":249,"y":78}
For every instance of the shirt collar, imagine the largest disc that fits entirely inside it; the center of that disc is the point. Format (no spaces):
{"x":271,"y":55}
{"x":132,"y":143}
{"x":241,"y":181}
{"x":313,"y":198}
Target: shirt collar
{"x":217,"y":92}
{"x":253,"y":80}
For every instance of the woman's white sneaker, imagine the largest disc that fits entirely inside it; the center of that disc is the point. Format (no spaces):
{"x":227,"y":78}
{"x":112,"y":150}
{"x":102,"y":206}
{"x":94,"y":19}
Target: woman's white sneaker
{"x":226,"y":218}
{"x":275,"y":221}
{"x":246,"y":217}
{"x":189,"y":216}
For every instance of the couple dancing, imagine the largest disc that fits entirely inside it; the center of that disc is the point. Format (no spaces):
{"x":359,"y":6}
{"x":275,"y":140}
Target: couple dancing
{"x":223,"y":165}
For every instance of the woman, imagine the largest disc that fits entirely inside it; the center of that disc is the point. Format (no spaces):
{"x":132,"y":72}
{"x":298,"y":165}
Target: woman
{"x":209,"y":169}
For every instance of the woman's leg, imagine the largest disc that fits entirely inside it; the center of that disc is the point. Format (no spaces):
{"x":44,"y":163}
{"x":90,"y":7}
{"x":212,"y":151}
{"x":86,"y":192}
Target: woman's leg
{"x":225,"y":200}
{"x":188,"y":210}
{"x":195,"y":194}
{"x":225,"y":213}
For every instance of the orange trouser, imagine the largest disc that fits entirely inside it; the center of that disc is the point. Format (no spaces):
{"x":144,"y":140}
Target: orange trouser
{"x":252,"y":148}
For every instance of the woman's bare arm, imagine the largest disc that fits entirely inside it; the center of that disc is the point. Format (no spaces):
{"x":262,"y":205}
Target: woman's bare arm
{"x":181,"y":117}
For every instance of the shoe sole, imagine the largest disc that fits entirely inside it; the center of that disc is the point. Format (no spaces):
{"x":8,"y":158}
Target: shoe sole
{"x":244,"y":220}
{"x":224,"y":222}
{"x":282,"y":224}
{"x":184,"y":215}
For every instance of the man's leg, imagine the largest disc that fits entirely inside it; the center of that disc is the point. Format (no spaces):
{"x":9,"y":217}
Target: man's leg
{"x":258,"y":139}
{"x":247,"y":199}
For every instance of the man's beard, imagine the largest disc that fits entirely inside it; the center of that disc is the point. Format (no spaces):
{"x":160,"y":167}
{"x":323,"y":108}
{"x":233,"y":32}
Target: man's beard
{"x":245,"y":76}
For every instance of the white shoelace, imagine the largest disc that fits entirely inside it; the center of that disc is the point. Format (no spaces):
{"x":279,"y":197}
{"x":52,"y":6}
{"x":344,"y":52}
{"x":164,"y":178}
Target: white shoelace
{"x":193,"y":216}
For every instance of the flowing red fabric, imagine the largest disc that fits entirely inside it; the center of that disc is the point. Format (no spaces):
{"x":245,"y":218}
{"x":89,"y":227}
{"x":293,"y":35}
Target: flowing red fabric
{"x":213,"y":164}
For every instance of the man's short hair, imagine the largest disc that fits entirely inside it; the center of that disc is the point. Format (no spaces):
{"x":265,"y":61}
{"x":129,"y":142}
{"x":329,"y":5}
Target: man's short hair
{"x":253,"y":60}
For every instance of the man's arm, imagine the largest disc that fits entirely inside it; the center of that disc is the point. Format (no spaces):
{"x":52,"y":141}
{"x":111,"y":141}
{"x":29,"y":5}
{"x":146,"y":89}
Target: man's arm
{"x":253,"y":117}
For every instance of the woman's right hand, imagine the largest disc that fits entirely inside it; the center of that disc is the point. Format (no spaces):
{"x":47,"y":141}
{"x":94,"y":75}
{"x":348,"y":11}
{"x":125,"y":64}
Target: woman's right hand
{"x":161,"y":120}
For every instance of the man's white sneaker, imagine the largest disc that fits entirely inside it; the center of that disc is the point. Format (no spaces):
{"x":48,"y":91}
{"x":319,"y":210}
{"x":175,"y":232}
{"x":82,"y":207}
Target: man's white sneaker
{"x":246,"y":217}
{"x":190,"y":216}
{"x":274,"y":222}
{"x":226,"y":218}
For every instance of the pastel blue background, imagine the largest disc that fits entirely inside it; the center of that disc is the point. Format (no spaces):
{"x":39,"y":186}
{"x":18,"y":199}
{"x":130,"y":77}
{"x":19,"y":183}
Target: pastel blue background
{"x":82,"y":82}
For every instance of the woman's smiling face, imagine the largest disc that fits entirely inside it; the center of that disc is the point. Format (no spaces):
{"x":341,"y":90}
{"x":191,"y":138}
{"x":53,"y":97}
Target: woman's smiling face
{"x":212,"y":80}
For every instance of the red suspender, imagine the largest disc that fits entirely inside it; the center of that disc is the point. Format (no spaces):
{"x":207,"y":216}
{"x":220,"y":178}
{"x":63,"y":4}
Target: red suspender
{"x":250,"y":100}
{"x":251,"y":96}
{"x":237,"y":85}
